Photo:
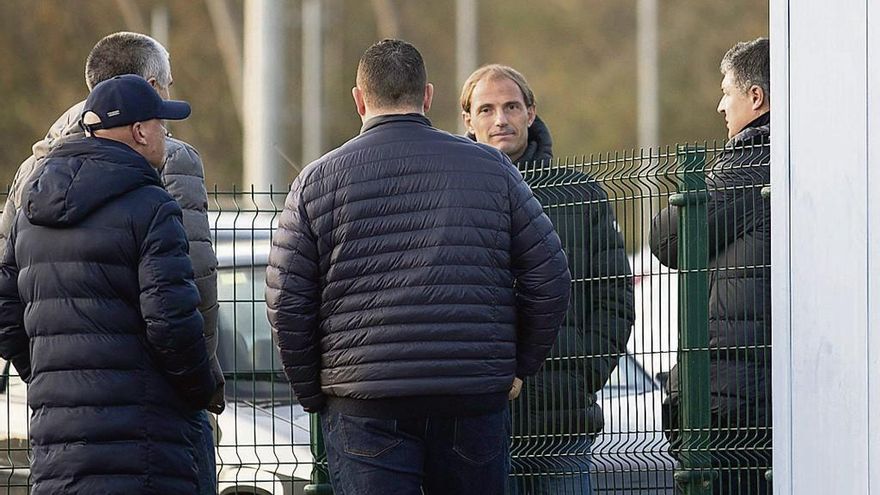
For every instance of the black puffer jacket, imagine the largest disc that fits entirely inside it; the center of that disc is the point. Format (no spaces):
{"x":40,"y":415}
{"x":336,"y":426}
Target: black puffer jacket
{"x":391,"y":277}
{"x":561,"y":399}
{"x":739,"y":282}
{"x":98,"y":313}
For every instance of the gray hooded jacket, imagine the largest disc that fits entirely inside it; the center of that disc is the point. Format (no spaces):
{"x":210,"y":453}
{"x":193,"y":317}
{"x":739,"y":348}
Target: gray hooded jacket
{"x":183,"y":177}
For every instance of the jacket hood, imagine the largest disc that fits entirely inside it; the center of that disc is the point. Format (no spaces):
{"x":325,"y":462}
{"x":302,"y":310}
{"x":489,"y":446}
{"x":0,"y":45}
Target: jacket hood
{"x":81,"y":175}
{"x":539,"y":146}
{"x":66,"y":127}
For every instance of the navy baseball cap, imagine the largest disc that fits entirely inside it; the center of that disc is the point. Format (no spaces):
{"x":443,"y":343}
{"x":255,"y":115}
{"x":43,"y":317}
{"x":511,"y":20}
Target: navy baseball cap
{"x":124,"y":100}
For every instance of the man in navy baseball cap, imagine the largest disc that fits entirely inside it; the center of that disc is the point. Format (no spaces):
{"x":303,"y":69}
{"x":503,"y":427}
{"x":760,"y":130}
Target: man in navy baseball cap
{"x":124,"y":100}
{"x":128,"y":109}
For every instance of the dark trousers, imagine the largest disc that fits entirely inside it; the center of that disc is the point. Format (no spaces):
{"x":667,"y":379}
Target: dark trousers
{"x":464,"y":455}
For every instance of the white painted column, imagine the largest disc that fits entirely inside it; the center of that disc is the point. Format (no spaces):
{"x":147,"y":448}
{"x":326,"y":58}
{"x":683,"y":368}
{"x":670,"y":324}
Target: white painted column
{"x":873,"y":265}
{"x":780,"y":211}
{"x":826,"y":247}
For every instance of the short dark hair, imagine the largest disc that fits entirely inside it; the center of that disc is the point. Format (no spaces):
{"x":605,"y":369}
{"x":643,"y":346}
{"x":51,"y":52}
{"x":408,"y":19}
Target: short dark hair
{"x":391,"y":73}
{"x":749,"y":62}
{"x":128,"y":53}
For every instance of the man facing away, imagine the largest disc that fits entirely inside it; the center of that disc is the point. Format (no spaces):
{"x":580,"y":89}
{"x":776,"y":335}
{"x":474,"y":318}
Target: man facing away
{"x":412,"y":282}
{"x":739,"y":280}
{"x":182,"y":174}
{"x":498,"y":108}
{"x":98,"y":310}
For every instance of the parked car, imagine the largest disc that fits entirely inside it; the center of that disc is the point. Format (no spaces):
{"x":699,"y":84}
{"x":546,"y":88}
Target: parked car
{"x":654,"y":340}
{"x":631,"y":454}
{"x":263,"y":436}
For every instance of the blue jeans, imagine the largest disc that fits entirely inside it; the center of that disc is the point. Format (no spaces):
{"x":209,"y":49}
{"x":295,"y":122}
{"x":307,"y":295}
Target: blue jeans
{"x":465,"y":455}
{"x":205,"y":460}
{"x":562,"y":469}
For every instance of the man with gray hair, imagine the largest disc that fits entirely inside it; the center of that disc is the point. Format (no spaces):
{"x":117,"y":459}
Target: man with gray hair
{"x":182,"y":175}
{"x":739,"y":441}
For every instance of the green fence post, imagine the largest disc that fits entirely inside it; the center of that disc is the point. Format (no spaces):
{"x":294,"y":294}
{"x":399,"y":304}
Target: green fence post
{"x":695,"y":475}
{"x":320,"y":478}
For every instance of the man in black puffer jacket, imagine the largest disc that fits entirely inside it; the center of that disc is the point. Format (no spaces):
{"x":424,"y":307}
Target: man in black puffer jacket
{"x":498,"y":108}
{"x":739,"y":279}
{"x":413,"y":283}
{"x":98,"y":310}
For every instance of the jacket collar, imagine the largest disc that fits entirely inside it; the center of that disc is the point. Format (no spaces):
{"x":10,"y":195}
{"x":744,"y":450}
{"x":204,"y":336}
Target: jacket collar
{"x":763,"y":120}
{"x":758,"y":128}
{"x":395,"y":117}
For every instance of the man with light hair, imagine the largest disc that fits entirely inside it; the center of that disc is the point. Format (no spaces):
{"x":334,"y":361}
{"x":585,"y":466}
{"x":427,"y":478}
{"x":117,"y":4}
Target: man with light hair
{"x":739,"y":442}
{"x":182,"y":175}
{"x":498,"y":108}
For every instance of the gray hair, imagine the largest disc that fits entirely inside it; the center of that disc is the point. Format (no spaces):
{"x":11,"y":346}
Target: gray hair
{"x":749,"y":62}
{"x":128,"y":53}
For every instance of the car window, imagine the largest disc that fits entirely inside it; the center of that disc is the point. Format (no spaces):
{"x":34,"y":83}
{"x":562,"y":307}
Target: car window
{"x":628,"y":378}
{"x":245,"y":343}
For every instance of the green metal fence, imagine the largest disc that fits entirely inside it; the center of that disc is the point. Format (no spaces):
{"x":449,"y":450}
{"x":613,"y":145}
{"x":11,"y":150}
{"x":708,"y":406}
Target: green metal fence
{"x":705,"y":439}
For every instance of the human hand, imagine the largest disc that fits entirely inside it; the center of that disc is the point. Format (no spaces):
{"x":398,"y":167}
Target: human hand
{"x":515,"y":389}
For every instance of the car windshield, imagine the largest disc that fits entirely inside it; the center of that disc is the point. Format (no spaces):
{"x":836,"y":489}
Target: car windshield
{"x":245,"y":347}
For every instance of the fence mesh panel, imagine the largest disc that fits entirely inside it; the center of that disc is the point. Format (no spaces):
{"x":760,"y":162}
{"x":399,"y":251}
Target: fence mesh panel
{"x":661,"y":370}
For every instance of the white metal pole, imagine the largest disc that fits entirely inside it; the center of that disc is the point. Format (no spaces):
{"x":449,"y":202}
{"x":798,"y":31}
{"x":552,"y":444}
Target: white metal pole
{"x":159,"y":24}
{"x":263,"y":84}
{"x":649,"y":108}
{"x":648,"y":105}
{"x":312,"y":77}
{"x":466,"y":45}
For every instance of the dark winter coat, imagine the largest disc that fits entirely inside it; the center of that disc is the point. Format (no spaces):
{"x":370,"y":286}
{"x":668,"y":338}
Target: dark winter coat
{"x":561,"y":399}
{"x":98,"y":312}
{"x":391,"y":277}
{"x":183,"y":176}
{"x":739,"y":284}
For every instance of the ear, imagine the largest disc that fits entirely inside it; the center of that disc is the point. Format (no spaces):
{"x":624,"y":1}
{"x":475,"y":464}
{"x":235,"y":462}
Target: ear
{"x":138,"y":135}
{"x":466,"y":117}
{"x":757,"y":97}
{"x":154,"y":83}
{"x":429,"y":97}
{"x":359,"y":102}
{"x":532,"y":112}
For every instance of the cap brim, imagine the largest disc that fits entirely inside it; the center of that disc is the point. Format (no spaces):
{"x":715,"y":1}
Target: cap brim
{"x":174,"y":110}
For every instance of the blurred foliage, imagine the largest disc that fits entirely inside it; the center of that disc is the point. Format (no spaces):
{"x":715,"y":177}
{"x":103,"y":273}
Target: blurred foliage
{"x":579,"y":57}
